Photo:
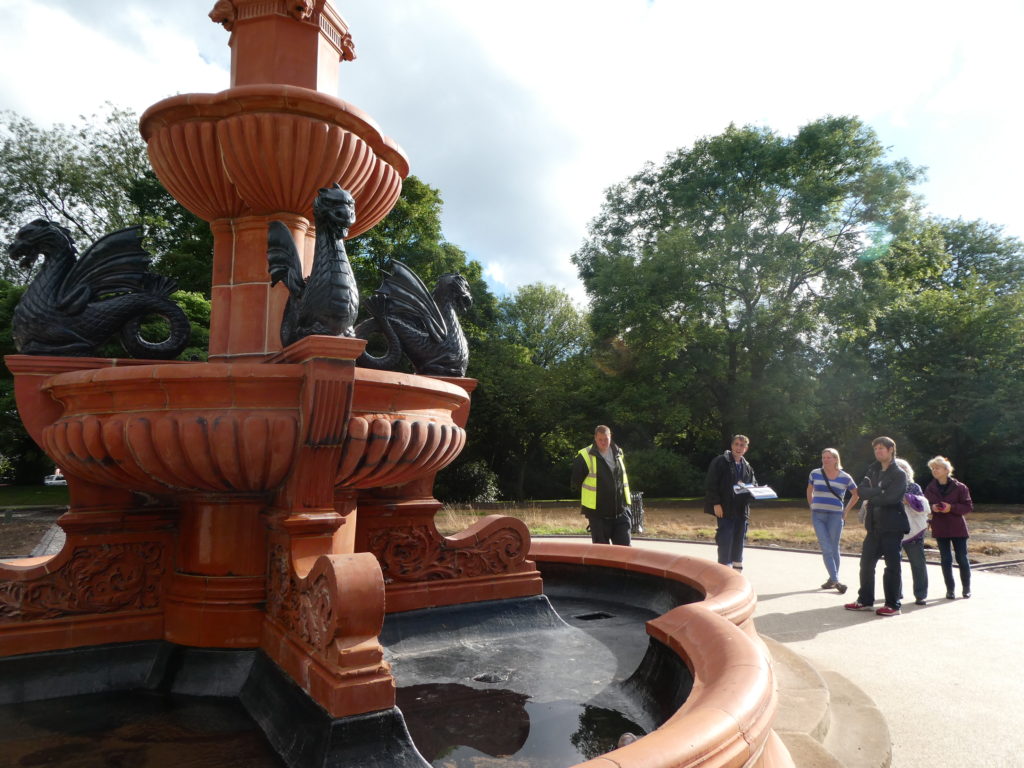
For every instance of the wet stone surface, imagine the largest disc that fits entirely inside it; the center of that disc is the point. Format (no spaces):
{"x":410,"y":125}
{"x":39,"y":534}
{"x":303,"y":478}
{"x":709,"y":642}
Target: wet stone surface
{"x":138,"y":729}
{"x":537,"y":695}
{"x":455,"y":726}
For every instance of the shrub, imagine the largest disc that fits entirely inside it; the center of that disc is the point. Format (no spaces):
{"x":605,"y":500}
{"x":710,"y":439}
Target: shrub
{"x":472,"y":482}
{"x":659,"y":472}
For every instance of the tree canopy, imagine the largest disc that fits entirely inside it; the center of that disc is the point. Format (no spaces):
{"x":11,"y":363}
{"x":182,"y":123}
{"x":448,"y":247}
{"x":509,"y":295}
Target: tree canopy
{"x":735,"y":278}
{"x":95,"y":178}
{"x":791,"y":288}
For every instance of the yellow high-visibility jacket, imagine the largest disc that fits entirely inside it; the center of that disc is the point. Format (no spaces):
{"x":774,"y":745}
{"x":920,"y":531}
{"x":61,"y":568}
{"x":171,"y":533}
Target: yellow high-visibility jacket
{"x":588,"y":489}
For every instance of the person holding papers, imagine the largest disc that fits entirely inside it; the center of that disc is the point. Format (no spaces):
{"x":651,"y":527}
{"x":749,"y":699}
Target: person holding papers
{"x":730,"y":505}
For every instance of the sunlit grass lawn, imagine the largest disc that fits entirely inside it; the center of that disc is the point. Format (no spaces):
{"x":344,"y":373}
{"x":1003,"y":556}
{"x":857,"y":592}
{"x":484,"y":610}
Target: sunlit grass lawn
{"x":997,"y":530}
{"x":787,"y":524}
{"x":33,"y":496}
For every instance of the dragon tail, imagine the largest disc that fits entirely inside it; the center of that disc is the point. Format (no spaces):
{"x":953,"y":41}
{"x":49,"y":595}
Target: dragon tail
{"x":158,"y":285}
{"x":148,"y":307}
{"x":378,"y":323}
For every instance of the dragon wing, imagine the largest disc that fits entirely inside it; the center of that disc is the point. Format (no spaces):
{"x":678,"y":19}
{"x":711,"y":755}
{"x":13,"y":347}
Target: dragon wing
{"x":116,"y":263}
{"x":408,"y":296}
{"x":283,"y":259}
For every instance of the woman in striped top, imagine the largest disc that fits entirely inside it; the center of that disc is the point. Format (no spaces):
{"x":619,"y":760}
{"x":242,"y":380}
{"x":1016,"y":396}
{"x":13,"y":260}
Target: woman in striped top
{"x":827,"y":490}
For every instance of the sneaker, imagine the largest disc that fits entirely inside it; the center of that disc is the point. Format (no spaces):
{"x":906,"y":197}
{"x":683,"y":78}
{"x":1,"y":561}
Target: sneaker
{"x":855,"y":606}
{"x":885,"y":610}
{"x":950,"y":596}
{"x":967,"y":595}
{"x":920,"y":601}
{"x":840,"y":588}
{"x":828,"y":584}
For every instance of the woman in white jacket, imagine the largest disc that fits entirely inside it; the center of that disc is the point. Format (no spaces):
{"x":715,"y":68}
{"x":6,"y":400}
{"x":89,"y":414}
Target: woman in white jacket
{"x":916,"y":507}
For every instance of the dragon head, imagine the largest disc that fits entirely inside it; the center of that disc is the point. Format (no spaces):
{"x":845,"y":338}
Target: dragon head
{"x":335,"y":208}
{"x":453,"y":288}
{"x":40,"y":237}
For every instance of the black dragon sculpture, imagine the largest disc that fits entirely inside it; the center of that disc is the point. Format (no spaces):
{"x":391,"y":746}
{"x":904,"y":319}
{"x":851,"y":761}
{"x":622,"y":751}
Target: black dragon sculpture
{"x":74,"y":304}
{"x":425,"y":327}
{"x":326,"y":302}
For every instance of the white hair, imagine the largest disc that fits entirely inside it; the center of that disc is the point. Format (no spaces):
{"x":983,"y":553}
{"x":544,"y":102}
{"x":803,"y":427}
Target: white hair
{"x":905,"y":466}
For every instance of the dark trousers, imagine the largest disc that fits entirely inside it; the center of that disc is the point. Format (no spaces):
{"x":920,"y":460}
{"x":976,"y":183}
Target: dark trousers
{"x":609,"y":530}
{"x":729,"y":538}
{"x":918,"y":568}
{"x":879,"y":545}
{"x":959,"y":547}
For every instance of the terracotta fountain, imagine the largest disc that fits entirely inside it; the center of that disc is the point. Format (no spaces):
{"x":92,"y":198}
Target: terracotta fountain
{"x":280,"y":500}
{"x":268,"y":498}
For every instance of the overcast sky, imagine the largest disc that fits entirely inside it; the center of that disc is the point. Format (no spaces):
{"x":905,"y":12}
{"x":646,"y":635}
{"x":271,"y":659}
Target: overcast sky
{"x":523,"y":113}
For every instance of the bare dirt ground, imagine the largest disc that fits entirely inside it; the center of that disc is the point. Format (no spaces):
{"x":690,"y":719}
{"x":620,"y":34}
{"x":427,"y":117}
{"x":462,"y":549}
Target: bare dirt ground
{"x":997,"y":531}
{"x":21,"y":530}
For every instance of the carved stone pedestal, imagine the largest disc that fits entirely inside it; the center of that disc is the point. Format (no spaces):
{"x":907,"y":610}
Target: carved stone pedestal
{"x":422,"y":568}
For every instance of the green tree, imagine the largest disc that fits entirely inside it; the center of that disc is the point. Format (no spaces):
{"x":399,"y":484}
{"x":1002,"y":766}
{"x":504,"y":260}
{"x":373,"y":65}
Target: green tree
{"x":528,"y":410}
{"x":719,"y":272}
{"x":947,"y":360}
{"x":411,"y":233}
{"x":95,"y":178}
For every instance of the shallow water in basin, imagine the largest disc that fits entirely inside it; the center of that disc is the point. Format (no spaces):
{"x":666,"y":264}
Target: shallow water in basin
{"x":133,"y":729}
{"x":455,"y":726}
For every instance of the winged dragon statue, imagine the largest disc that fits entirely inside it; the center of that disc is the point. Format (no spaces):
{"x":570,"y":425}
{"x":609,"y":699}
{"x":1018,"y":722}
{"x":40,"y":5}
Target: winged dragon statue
{"x":76,"y":304}
{"x":326,"y":302}
{"x":424,"y":326}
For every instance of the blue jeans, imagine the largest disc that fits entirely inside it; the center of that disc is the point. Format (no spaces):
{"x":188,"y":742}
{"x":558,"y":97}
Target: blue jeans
{"x":729,"y":537}
{"x":914,"y":550}
{"x":828,"y":527}
{"x":959,"y":546}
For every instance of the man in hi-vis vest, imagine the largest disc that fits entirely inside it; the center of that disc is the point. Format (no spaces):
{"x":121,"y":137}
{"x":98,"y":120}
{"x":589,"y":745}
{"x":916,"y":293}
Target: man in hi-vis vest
{"x":600,"y":474}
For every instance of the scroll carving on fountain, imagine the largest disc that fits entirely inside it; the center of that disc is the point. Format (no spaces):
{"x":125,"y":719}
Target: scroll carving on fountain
{"x":96,"y":579}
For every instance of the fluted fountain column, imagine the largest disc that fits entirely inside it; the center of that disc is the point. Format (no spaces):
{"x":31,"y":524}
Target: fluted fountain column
{"x":260,"y":150}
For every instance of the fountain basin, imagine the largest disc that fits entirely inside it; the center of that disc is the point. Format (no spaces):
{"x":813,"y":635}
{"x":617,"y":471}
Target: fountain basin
{"x":683,"y":659}
{"x":726,"y":717}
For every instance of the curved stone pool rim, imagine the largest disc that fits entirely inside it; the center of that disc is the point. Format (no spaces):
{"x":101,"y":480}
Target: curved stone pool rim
{"x":726,"y":721}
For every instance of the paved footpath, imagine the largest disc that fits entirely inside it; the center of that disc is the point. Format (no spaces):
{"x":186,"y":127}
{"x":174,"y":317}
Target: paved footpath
{"x":948,"y":677}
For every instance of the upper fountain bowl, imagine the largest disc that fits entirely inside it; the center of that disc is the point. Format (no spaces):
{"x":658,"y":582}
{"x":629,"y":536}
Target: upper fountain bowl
{"x":266,"y":149}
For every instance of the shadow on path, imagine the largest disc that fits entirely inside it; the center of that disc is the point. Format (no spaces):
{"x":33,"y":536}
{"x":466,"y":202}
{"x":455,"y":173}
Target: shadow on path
{"x":806,"y":625}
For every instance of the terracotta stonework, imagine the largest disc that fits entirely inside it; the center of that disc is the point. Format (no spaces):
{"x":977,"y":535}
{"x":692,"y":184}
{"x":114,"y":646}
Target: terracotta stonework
{"x":260,"y":151}
{"x":308,"y":38}
{"x":251,"y":154}
{"x":282,"y":499}
{"x":95,"y":579}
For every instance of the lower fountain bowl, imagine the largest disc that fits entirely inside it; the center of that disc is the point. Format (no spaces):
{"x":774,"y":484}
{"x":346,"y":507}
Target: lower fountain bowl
{"x":237,"y":427}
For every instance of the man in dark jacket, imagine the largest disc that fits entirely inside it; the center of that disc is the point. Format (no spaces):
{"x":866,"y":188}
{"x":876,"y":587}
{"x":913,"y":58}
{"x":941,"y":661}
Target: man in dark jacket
{"x":599,"y":471}
{"x":731,"y":509}
{"x":884,"y":487}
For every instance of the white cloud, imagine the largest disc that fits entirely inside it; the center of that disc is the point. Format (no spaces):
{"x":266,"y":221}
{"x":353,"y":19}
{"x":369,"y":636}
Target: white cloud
{"x":57,"y":67}
{"x":523,"y":113}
